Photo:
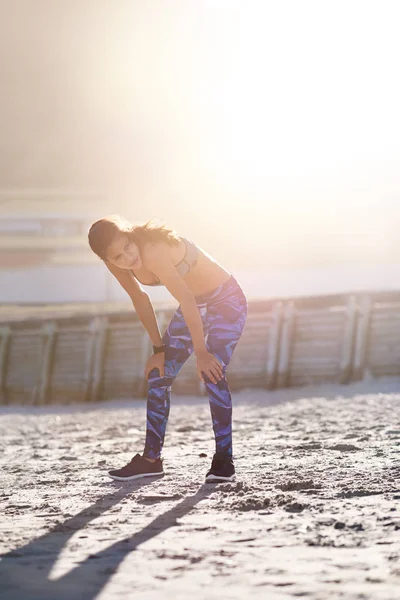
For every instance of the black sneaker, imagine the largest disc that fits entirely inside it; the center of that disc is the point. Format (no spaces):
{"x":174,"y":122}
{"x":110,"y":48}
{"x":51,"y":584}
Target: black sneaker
{"x":138,"y":467}
{"x":222,"y":469}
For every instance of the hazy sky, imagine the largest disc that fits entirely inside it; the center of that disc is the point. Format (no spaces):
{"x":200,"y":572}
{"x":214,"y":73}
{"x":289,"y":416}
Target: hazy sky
{"x":269,"y":131}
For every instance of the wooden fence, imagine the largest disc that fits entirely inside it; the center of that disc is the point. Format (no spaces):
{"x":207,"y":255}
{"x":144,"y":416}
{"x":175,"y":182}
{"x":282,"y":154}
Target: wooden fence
{"x":287,"y":342}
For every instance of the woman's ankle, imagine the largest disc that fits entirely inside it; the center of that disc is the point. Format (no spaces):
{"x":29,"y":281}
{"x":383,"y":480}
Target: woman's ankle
{"x":151,"y":460}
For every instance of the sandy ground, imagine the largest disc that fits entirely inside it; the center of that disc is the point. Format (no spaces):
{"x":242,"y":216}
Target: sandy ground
{"x":314,"y":511}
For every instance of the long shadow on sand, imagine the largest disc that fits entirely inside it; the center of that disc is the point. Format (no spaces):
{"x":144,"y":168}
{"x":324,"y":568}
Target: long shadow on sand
{"x":24,"y":572}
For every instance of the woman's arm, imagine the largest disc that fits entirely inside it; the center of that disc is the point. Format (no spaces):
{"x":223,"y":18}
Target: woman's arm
{"x":141,"y":302}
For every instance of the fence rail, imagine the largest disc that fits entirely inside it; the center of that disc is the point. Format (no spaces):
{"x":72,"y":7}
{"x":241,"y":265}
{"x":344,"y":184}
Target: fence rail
{"x":286,"y":342}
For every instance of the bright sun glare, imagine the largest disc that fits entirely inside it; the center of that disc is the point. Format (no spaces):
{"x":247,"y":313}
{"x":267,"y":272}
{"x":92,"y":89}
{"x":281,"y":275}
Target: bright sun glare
{"x":294,"y":88}
{"x":296,"y":107}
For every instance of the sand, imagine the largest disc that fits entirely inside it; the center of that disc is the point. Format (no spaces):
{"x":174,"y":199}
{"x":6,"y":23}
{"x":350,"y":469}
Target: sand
{"x":314,"y":511}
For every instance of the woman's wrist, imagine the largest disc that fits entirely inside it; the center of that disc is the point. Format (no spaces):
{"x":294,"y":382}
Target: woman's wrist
{"x":201,"y":351}
{"x":159,"y":349}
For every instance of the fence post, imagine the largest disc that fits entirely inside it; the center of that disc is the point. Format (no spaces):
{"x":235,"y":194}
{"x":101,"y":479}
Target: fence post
{"x":286,"y":344}
{"x":49,"y":333}
{"x":273,"y":346}
{"x":361,"y":342}
{"x":89,"y":359}
{"x":5,"y":343}
{"x":100,"y":326}
{"x":346,"y":362}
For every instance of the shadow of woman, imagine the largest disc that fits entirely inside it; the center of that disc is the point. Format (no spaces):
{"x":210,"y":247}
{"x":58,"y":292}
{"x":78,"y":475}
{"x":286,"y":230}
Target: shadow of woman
{"x":24,"y":572}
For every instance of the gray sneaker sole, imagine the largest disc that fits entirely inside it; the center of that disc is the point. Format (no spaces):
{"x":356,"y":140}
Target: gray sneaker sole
{"x":214,"y":478}
{"x":132,"y":477}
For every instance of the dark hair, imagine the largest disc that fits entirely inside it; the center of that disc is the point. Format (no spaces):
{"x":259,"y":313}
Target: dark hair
{"x":103,"y":231}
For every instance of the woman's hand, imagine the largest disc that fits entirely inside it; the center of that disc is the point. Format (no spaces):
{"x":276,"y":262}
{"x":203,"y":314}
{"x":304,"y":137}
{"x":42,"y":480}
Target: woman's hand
{"x":156,"y":361}
{"x":208,"y":364}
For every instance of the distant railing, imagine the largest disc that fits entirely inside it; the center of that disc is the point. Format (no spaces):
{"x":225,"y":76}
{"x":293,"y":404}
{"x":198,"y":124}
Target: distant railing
{"x":287,"y":342}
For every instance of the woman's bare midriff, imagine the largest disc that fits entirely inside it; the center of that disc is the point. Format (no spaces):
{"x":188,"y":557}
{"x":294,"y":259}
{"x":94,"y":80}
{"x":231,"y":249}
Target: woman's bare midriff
{"x":206,"y":275}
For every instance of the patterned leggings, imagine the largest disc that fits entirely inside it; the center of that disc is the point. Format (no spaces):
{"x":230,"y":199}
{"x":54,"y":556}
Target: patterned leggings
{"x":223,"y":312}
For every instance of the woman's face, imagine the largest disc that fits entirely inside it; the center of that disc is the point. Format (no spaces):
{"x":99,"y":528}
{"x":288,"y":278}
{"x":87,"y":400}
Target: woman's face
{"x":124,"y":253}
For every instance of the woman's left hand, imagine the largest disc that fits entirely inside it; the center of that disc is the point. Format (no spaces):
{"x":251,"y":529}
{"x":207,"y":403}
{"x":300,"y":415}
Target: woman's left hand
{"x":208,"y":364}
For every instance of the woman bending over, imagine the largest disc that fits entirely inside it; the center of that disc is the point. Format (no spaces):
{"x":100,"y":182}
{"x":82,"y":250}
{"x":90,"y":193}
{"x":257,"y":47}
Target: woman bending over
{"x":209,"y":322}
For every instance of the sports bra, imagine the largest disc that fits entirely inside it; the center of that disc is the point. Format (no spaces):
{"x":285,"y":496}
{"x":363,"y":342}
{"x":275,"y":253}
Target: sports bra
{"x":184,"y":266}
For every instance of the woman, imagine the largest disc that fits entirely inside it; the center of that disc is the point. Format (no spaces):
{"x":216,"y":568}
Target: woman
{"x":211,"y":304}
